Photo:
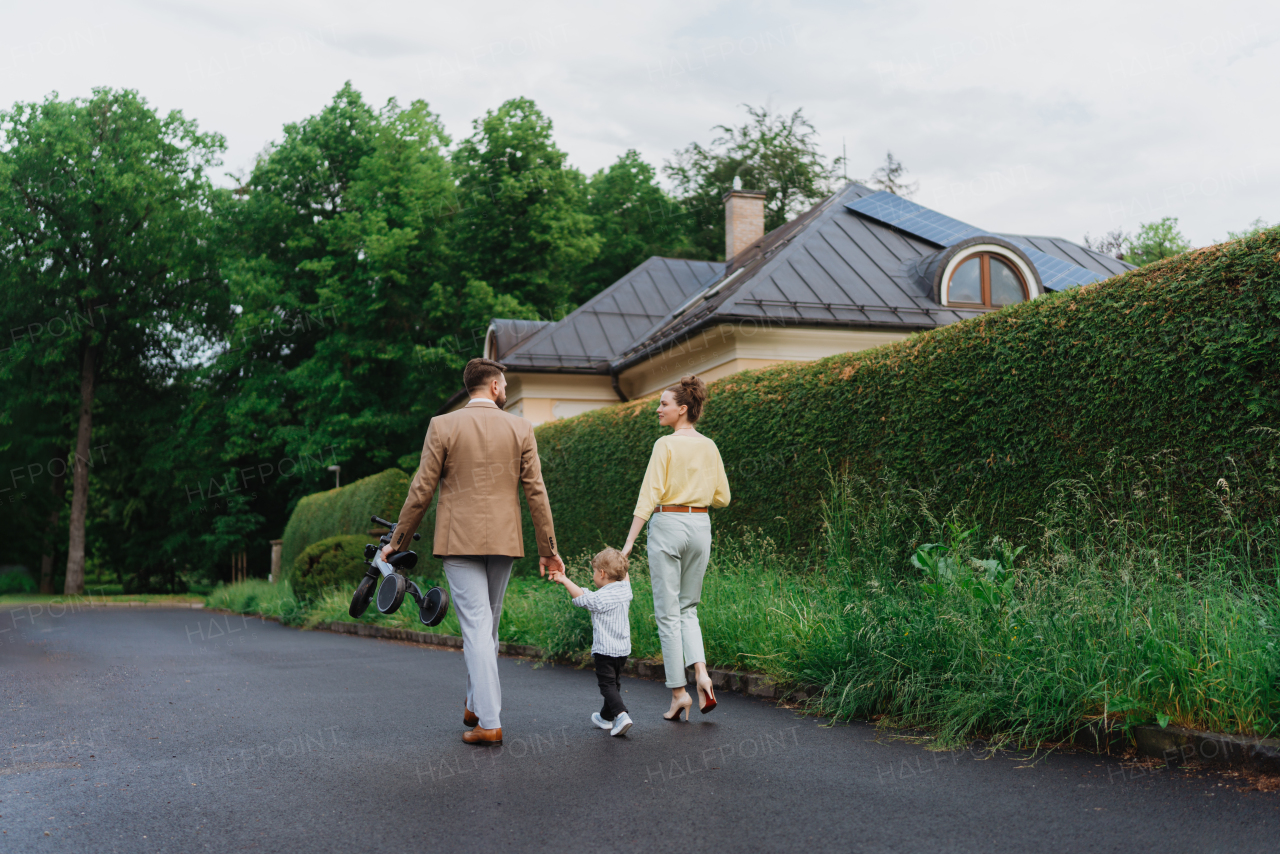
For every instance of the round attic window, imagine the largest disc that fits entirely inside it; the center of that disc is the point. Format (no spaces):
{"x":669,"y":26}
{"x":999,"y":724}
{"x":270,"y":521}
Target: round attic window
{"x":987,"y":277}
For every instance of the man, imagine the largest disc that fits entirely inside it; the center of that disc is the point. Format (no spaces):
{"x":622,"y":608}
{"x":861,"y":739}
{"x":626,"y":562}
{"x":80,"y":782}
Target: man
{"x":477,"y":456}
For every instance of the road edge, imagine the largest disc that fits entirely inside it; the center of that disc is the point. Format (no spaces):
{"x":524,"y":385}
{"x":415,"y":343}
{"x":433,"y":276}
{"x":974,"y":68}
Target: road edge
{"x":1173,"y":745}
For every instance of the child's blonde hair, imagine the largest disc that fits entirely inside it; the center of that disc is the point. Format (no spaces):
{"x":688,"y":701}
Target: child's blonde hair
{"x":611,"y":563}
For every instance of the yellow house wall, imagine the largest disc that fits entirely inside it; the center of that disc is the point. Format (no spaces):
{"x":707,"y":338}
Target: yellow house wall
{"x":729,"y":348}
{"x":549,"y":397}
{"x":715,"y":353}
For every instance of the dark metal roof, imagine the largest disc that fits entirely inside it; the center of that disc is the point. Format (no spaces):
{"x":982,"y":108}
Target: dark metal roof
{"x":508,"y":334}
{"x":828,"y":267}
{"x":1053,"y":272}
{"x":1074,"y":253}
{"x":614,"y":319}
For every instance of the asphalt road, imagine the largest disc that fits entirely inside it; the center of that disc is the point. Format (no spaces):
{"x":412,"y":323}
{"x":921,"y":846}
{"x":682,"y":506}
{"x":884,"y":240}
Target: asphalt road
{"x":166,"y":730}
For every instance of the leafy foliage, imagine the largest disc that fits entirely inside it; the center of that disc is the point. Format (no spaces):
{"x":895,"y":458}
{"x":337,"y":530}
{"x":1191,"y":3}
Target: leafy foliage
{"x":16,"y":581}
{"x":335,"y":512}
{"x":771,"y":152}
{"x":523,"y":231}
{"x":1156,"y":241}
{"x":988,"y":581}
{"x":634,"y":218}
{"x":329,"y":563}
{"x":107,"y":260}
{"x":334,"y":257}
{"x":1258,"y":225}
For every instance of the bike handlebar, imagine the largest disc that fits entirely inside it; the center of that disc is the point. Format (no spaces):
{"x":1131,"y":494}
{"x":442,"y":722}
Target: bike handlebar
{"x":377,"y":520}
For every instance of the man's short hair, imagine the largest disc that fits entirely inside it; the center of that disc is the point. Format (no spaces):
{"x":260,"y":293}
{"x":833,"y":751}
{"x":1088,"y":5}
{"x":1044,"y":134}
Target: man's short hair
{"x":611,"y":563}
{"x":479,"y":372}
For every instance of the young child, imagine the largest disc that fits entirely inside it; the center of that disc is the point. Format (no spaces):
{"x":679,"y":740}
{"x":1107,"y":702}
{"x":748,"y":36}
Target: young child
{"x":611,"y":632}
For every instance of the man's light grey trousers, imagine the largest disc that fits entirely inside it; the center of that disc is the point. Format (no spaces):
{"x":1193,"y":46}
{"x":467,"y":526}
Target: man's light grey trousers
{"x":477,"y":584}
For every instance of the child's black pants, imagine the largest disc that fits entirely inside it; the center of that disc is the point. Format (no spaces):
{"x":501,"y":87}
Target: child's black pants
{"x":609,"y":675}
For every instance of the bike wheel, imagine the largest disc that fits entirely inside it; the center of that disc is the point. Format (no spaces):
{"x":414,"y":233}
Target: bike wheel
{"x":363,"y":596}
{"x":435,"y":607}
{"x":391,"y":593}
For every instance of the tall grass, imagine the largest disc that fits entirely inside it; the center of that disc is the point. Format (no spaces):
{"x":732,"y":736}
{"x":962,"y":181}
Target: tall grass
{"x":259,"y":598}
{"x":1112,"y":614}
{"x":746,"y":611}
{"x":1115,"y":610}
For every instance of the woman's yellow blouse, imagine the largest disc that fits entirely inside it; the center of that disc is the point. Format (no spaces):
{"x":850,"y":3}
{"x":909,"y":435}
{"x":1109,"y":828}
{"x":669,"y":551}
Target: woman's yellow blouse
{"x":683,"y":470}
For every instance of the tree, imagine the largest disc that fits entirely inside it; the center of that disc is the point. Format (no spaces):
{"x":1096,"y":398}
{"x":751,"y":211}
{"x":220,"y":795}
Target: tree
{"x":344,"y":345}
{"x":1112,"y":243}
{"x":1156,"y":241}
{"x":634,"y":219}
{"x":105,"y":212}
{"x":1258,"y":225}
{"x":522,"y":228}
{"x":889,"y":177}
{"x":770,"y":152}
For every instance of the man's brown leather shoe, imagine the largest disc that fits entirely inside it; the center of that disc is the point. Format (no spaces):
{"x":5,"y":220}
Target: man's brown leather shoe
{"x":480,"y":735}
{"x":469,"y":718}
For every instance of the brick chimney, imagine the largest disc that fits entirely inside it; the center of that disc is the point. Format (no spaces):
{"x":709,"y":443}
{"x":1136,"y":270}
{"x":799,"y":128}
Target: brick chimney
{"x":743,"y":219}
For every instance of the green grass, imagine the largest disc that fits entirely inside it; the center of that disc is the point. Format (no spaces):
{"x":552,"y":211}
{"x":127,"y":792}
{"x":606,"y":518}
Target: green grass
{"x":742,"y":624}
{"x":260,"y":598}
{"x":1110,"y":614}
{"x":1075,"y":644}
{"x":1119,"y":615}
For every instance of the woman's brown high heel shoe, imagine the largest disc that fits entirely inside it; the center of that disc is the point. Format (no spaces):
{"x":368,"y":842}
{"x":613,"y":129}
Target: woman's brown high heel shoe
{"x":710,"y":693}
{"x":680,"y":707}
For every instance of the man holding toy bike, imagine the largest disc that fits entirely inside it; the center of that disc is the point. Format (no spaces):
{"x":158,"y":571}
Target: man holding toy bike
{"x":477,"y":457}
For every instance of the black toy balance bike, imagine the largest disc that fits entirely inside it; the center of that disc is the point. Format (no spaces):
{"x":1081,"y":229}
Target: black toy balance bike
{"x":432,"y":607}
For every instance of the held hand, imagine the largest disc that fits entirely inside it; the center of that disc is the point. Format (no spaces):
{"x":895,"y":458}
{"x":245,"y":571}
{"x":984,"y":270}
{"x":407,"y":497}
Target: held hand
{"x":553,"y":563}
{"x":387,"y":552}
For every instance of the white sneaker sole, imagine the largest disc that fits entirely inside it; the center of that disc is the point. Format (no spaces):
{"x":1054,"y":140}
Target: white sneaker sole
{"x":602,"y":723}
{"x":622,"y":730}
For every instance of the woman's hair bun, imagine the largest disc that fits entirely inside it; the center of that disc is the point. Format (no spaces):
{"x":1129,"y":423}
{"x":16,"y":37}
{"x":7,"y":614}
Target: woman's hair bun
{"x":690,"y":392}
{"x":695,"y":386}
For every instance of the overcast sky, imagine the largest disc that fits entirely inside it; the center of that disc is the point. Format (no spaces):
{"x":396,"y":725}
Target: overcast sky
{"x":1054,"y":119}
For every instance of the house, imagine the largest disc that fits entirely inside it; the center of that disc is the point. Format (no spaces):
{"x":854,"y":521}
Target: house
{"x":861,"y":269}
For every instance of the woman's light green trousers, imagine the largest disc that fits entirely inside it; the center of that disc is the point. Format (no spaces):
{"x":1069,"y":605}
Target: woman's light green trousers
{"x":679,"y":548}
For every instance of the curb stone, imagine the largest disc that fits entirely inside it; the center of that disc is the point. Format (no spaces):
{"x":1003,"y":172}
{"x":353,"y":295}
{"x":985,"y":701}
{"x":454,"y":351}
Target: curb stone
{"x":1175,"y":745}
{"x":195,"y":606}
{"x":1178,"y":745}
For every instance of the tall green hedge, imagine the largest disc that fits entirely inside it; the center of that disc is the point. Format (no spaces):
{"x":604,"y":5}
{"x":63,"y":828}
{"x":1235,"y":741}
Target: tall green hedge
{"x":343,"y":511}
{"x":328,"y":563}
{"x":1177,"y":364}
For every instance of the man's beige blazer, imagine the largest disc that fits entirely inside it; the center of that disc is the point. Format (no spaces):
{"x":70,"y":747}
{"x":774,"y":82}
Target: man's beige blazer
{"x":478,"y":456}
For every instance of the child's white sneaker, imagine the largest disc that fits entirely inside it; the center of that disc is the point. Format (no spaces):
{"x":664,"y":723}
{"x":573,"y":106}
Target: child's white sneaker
{"x":601,"y":722}
{"x":621,"y":724}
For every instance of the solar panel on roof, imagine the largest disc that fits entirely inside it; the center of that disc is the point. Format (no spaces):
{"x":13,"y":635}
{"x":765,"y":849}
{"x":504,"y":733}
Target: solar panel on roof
{"x":917,"y":220}
{"x":1056,"y":274}
{"x":914,"y":219}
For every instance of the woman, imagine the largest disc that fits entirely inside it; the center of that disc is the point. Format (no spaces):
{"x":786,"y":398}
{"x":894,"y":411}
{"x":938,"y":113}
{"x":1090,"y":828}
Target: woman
{"x":684,"y":478}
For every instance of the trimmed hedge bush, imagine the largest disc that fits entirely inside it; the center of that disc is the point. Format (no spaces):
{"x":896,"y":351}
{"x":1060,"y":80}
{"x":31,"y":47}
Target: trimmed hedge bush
{"x":17,"y":580}
{"x":331,"y":562}
{"x":343,"y":511}
{"x":1171,"y":372}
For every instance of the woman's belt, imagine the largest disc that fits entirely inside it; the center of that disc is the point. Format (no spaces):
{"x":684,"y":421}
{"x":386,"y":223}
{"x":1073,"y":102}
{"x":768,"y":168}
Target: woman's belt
{"x":678,"y":508}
